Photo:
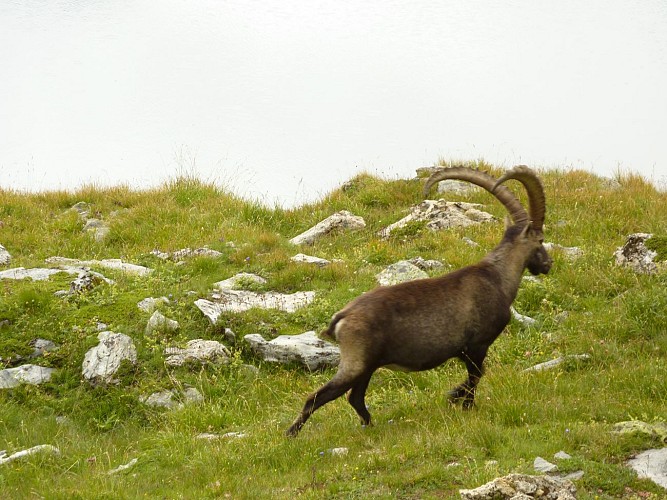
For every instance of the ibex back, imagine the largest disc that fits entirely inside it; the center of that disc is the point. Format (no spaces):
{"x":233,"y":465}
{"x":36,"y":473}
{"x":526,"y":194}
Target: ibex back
{"x":420,"y":324}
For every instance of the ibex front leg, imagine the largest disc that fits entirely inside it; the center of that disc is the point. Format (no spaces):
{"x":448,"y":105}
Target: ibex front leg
{"x":474,"y":361}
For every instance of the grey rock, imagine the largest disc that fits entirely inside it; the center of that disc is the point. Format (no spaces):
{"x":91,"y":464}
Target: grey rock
{"x":199,"y":351}
{"x":548,"y":365}
{"x":426,"y":265}
{"x":5,"y":258}
{"x":26,"y":374}
{"x":101,"y":362}
{"x":158,"y":322}
{"x":309,"y":259}
{"x":342,"y":220}
{"x":635,"y":255}
{"x":40,"y":346}
{"x":541,"y":465}
{"x":399,"y":272}
{"x":113,"y":264}
{"x":162,"y":399}
{"x":524,"y":320}
{"x":651,"y":464}
{"x":307,"y":349}
{"x":522,"y":486}
{"x":561,"y":455}
{"x":441,"y":214}
{"x":35,"y":274}
{"x":238,"y":280}
{"x":82,"y":208}
{"x":452,"y":186}
{"x":97,"y":228}
{"x":470,"y":242}
{"x":187,"y":253}
{"x":230,"y":336}
{"x":192,"y":395}
{"x":150,"y":304}
{"x":87,"y":280}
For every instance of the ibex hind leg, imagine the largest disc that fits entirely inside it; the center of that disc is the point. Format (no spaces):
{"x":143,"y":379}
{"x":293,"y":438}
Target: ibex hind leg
{"x":356,"y":397}
{"x":465,"y":392}
{"x":333,"y":389}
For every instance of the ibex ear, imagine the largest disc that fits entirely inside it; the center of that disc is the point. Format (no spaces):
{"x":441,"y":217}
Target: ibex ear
{"x":526,"y":230}
{"x":508,"y":222}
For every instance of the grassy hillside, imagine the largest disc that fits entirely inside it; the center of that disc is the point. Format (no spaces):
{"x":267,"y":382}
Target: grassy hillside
{"x":420,"y":446}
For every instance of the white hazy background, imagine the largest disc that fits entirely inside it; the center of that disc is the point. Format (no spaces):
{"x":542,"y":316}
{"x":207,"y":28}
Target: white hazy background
{"x":283,"y":101}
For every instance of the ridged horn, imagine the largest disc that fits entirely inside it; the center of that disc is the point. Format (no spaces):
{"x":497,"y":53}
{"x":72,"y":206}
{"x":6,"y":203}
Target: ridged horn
{"x":534,"y":188}
{"x":484,"y":180}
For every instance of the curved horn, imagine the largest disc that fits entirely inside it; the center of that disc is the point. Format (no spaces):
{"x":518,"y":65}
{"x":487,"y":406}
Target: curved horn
{"x":484,"y":180}
{"x":533,"y":185}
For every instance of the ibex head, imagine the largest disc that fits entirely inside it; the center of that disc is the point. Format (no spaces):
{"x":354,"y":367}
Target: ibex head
{"x":528,"y":227}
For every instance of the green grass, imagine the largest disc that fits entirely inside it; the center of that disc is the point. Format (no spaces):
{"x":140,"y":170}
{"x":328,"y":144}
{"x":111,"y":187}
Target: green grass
{"x":420,"y":446}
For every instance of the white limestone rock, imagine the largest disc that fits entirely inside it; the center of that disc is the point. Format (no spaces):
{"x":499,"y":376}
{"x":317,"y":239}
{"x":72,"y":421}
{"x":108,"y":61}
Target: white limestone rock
{"x":342,"y":220}
{"x":307,"y":349}
{"x":651,"y":464}
{"x":523,"y":487}
{"x":309,"y":259}
{"x":637,"y":256}
{"x":101,"y":362}
{"x":158,"y":322}
{"x":200,"y":351}
{"x":26,"y":374}
{"x":236,"y":301}
{"x":441,"y":214}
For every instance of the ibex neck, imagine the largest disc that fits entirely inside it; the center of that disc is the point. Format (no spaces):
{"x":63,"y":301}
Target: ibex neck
{"x":509,"y":265}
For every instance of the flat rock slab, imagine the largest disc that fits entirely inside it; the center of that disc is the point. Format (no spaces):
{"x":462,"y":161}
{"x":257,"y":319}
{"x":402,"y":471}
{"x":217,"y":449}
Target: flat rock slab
{"x":185,"y":253}
{"x":114,"y":264}
{"x":238,"y":280}
{"x":242,"y":300}
{"x":309,"y":259}
{"x":441,"y":214}
{"x":36,"y":274}
{"x":307,"y":349}
{"x":651,"y":464}
{"x":340,"y":220}
{"x":26,"y":374}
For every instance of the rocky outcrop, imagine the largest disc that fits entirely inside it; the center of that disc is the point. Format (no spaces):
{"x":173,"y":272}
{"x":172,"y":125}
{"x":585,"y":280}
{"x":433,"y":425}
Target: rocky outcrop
{"x":306,"y":349}
{"x":441,"y":214}
{"x":637,"y":255}
{"x":101,"y":362}
{"x":342,"y":220}
{"x":522,"y":486}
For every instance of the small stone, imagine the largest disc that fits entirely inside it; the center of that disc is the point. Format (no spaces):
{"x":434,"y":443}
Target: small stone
{"x":308,"y":259}
{"x":121,"y":468}
{"x":150,"y":304}
{"x":541,"y":465}
{"x":158,"y":322}
{"x":307,"y":349}
{"x":5,"y":258}
{"x":198,"y":350}
{"x":561,"y":455}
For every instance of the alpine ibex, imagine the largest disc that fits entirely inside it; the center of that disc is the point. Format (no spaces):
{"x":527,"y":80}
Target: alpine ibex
{"x":418,"y":325}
